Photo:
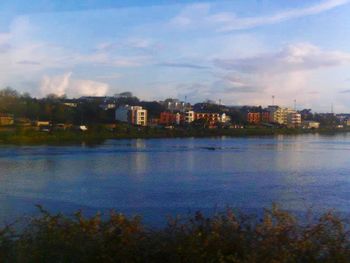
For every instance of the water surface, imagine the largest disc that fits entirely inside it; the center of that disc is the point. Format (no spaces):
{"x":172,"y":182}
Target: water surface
{"x":157,"y":177}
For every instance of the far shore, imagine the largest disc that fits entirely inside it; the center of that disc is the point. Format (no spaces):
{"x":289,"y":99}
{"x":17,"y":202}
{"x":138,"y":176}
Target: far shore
{"x":97,"y":135}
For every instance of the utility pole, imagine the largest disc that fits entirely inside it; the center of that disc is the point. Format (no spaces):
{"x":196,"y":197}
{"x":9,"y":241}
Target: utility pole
{"x":295,"y":105}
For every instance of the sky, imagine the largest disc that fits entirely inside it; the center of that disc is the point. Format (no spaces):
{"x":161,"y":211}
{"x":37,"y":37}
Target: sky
{"x":239,"y":52}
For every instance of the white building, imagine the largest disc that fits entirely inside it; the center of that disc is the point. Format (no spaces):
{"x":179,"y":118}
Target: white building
{"x":189,"y":116}
{"x":138,"y":116}
{"x":225,"y":118}
{"x":175,"y":105}
{"x":293,"y":119}
{"x":276,"y":114}
{"x":311,"y":125}
{"x":284,"y":116}
{"x":135,"y":115}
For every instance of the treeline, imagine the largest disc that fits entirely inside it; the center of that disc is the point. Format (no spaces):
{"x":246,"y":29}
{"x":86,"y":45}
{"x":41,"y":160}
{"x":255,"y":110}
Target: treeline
{"x":277,"y":236}
{"x":88,"y":109}
{"x":53,"y":108}
{"x":91,"y":111}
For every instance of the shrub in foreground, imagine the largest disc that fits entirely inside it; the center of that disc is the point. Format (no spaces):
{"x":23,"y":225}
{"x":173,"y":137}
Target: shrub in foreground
{"x":228,"y":237}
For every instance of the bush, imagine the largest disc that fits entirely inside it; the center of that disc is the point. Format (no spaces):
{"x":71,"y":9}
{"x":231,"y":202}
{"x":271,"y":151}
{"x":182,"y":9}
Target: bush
{"x":228,"y":237}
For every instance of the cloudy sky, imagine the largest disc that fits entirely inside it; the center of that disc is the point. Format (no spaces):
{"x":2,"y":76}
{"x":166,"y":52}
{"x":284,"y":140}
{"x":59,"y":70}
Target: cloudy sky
{"x":240,"y":52}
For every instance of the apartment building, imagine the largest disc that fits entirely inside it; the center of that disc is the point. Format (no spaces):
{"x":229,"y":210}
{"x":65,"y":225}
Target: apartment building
{"x":210,"y":117}
{"x":258,"y":117}
{"x":189,"y":116}
{"x":254,"y":117}
{"x":284,"y":116}
{"x":293,"y":119}
{"x":169,"y":118}
{"x":277,"y":114}
{"x":134,"y":115}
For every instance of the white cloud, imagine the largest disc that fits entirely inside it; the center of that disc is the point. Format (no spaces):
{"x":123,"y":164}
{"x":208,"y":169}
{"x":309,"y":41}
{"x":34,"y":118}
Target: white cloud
{"x":109,"y":76}
{"x":108,"y":59}
{"x":297,"y":57}
{"x":4,"y":38}
{"x":26,"y":60}
{"x":66,"y":85}
{"x":191,"y":14}
{"x":194,"y":16}
{"x":235,"y":23}
{"x":288,"y":74}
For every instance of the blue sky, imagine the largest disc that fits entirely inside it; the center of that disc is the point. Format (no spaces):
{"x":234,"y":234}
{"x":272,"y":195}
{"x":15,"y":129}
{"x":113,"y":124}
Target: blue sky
{"x":239,"y":52}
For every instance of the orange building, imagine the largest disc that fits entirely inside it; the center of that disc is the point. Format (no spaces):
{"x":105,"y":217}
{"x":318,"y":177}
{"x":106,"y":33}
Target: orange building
{"x":265,"y":116}
{"x":169,"y":118}
{"x":254,"y":117}
{"x":210,"y":117}
{"x":258,"y":117}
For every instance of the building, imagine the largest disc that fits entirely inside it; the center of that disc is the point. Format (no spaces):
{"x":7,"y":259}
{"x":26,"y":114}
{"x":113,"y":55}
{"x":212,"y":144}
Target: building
{"x":293,"y":119}
{"x":189,"y":116}
{"x":134,"y":115}
{"x":153,"y":122}
{"x":284,"y":116}
{"x":71,"y":103}
{"x":254,"y":117}
{"x":225,"y":118}
{"x":265,"y":117}
{"x":168,"y":118}
{"x":42,"y":123}
{"x":276,"y":114}
{"x":310,"y":124}
{"x":6,"y":119}
{"x":138,"y":116}
{"x":108,"y":106}
{"x":122,"y":113}
{"x":175,"y":105}
{"x":211,"y":118}
{"x":258,"y":117}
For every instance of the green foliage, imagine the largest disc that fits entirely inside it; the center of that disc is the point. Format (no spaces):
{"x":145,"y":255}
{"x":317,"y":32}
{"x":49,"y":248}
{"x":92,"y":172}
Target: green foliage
{"x":227,"y":237}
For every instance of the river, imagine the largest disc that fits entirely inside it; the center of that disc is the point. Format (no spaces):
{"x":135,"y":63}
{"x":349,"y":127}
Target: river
{"x":160,"y":177}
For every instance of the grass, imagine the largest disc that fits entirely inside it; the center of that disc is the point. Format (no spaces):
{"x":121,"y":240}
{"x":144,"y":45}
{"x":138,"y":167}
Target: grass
{"x":277,"y":236}
{"x":97,"y":135}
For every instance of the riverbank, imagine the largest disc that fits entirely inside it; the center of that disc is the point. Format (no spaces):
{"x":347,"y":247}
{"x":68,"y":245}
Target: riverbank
{"x":95,"y":136}
{"x":277,"y":236}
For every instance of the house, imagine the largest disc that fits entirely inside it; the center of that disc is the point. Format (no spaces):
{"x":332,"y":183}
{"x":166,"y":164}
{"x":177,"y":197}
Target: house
{"x":42,"y":123}
{"x":310,"y":124}
{"x":6,"y":119}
